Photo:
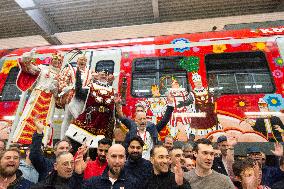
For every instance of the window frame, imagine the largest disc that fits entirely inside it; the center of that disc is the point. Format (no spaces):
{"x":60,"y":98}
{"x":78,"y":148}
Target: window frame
{"x":113,"y":64}
{"x":154,"y":71}
{"x":234,"y":72}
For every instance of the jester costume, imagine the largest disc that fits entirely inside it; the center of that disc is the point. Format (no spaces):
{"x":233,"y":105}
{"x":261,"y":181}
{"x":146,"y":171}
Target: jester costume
{"x":94,"y":120}
{"x":41,"y":102}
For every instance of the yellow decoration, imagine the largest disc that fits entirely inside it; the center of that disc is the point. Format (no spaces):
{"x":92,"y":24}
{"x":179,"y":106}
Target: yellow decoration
{"x":273,"y":101}
{"x":8,"y":64}
{"x":242,"y":104}
{"x":219,"y":48}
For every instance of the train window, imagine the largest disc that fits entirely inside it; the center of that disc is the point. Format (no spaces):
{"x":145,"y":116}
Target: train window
{"x":10,"y":90}
{"x":105,"y":65}
{"x":152,"y":75}
{"x":239,"y":73}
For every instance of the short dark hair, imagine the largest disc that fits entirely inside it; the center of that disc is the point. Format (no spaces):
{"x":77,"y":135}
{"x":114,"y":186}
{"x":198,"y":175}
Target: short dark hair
{"x":140,"y":105}
{"x":138,"y":139}
{"x":152,"y":152}
{"x":105,"y":141}
{"x":8,"y":150}
{"x":201,"y":141}
{"x":242,"y":164}
{"x":63,"y":140}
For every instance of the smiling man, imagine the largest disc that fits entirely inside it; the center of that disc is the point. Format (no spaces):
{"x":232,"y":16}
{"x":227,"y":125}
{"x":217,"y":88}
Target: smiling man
{"x":203,"y":176}
{"x":10,"y":175}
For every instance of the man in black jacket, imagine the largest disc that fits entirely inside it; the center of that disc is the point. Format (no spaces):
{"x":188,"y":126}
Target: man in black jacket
{"x":42,"y":164}
{"x":163,"y":178}
{"x":67,"y":173}
{"x":136,"y":166}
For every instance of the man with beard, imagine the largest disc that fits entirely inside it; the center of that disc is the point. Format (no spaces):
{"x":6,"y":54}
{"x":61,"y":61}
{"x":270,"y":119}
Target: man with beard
{"x":10,"y":175}
{"x":203,"y":176}
{"x":163,"y":178}
{"x":96,"y":168}
{"x":136,"y":166}
{"x":114,"y":175}
{"x":67,"y":173}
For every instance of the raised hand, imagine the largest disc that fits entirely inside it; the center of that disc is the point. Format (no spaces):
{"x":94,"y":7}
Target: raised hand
{"x":80,"y":164}
{"x":278,"y":149}
{"x":39,"y":125}
{"x":178,"y":174}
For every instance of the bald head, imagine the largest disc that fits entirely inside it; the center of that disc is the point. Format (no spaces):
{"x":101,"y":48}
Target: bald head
{"x":141,"y":120}
{"x":116,"y":159}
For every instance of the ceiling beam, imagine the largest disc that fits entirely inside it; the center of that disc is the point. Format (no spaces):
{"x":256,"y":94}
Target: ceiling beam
{"x":155,"y":5}
{"x":41,"y":19}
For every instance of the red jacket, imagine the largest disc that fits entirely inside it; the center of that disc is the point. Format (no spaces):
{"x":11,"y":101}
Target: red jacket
{"x":94,"y":168}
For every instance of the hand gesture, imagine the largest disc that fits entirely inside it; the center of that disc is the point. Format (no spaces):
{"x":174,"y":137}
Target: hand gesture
{"x":4,"y":183}
{"x":178,"y":174}
{"x":39,"y":125}
{"x":117,"y":98}
{"x":278,"y":149}
{"x":80,"y":164}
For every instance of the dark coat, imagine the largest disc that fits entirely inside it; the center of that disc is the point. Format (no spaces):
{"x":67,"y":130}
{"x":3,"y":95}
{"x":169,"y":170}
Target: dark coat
{"x":140,"y":169}
{"x":43,"y":165}
{"x":260,"y":127}
{"x":166,"y":181}
{"x":53,"y":181}
{"x":103,"y":182}
{"x":150,"y":127}
{"x":20,"y":182}
{"x":218,"y":166}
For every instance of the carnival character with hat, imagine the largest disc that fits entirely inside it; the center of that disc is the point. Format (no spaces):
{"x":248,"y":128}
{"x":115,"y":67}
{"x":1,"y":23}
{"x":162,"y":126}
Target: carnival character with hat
{"x":92,"y":109}
{"x":41,"y":103}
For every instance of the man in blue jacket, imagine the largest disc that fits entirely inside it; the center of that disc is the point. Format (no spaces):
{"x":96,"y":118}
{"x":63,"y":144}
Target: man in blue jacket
{"x":147,"y":130}
{"x":114,"y":175}
{"x":44,"y":165}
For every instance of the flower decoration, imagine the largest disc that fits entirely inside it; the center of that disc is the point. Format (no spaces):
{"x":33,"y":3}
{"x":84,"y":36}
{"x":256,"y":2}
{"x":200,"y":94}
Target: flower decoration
{"x":190,"y":64}
{"x":219,"y":48}
{"x":277,"y":73}
{"x":279,"y":62}
{"x":184,"y":43}
{"x":259,"y":46}
{"x":241,"y":103}
{"x":8,"y":65}
{"x":275,"y":102}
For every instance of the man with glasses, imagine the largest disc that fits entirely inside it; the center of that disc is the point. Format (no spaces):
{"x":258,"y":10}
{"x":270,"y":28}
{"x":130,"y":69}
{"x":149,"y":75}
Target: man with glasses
{"x":96,"y":168}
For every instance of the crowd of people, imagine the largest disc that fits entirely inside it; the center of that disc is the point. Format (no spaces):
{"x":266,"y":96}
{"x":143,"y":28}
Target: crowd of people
{"x":88,"y":156}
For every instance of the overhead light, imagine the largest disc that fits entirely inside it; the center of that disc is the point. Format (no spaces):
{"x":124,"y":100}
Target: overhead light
{"x":24,"y":4}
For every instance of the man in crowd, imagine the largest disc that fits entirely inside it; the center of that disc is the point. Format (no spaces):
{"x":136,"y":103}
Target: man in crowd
{"x":188,"y":151}
{"x":136,"y":166}
{"x":163,"y":178}
{"x":42,"y":164}
{"x":10,"y":175}
{"x":28,"y":170}
{"x":189,"y":164}
{"x":169,"y":143}
{"x":203,"y":176}
{"x":223,"y":163}
{"x":148,"y":131}
{"x":114,"y":175}
{"x":96,"y":168}
{"x":2,"y":145}
{"x":67,"y":173}
{"x":176,"y":156}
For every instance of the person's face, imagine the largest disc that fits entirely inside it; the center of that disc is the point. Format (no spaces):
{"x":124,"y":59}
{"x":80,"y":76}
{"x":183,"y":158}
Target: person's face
{"x":189,"y":164}
{"x":2,"y":146}
{"x":176,"y":156}
{"x":256,"y":156}
{"x":204,"y":156}
{"x":169,"y":143}
{"x":65,"y":165}
{"x":63,"y":146}
{"x":102,"y":152}
{"x":57,"y":63}
{"x":139,"y":109}
{"x":248,"y":176}
{"x":160,"y":160}
{"x":135,"y":150}
{"x":141,"y":120}
{"x":103,"y":76}
{"x":116,"y":160}
{"x":223,"y":147}
{"x":81,"y":62}
{"x":188,"y":152}
{"x":9,"y":163}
